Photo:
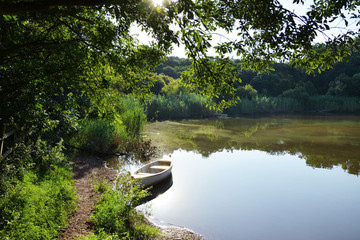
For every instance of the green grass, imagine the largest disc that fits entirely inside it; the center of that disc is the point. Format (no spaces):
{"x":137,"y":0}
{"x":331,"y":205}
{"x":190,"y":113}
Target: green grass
{"x":38,"y":204}
{"x":178,"y":107}
{"x":115,"y":214}
{"x":112,"y":132}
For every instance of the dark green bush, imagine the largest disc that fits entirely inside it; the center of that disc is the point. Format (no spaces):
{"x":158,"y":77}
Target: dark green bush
{"x":132,"y":116}
{"x":298,"y":93}
{"x":38,"y":204}
{"x":115,"y":130}
{"x":96,"y":135}
{"x":329,"y":103}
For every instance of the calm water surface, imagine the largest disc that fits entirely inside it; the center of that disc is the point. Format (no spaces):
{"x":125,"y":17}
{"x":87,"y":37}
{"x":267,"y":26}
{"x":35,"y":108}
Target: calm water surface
{"x":262,"y":178}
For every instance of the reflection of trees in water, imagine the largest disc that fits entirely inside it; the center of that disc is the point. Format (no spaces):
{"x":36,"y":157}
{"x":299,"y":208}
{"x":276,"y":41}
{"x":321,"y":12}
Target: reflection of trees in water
{"x":320,"y":155}
{"x":254,"y":128}
{"x":322,"y":145}
{"x":316,"y":154}
{"x":333,"y":155}
{"x":353,"y":167}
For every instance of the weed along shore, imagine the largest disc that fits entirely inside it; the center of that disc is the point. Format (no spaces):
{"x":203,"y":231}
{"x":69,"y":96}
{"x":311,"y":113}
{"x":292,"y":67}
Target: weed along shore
{"x":92,"y":179}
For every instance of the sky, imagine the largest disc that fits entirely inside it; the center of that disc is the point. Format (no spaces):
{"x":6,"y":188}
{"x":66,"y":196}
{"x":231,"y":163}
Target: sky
{"x":221,"y":35}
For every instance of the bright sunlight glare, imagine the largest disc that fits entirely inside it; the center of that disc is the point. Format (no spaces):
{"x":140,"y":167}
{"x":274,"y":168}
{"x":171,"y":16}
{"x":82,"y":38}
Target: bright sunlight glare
{"x":157,"y":2}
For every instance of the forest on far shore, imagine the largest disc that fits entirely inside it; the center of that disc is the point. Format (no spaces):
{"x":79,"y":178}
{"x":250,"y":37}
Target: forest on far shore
{"x":284,"y":89}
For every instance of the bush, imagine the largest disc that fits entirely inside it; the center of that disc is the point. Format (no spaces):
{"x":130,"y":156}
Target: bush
{"x":101,"y":235}
{"x":253,"y":106}
{"x":116,"y":215}
{"x":298,"y":93}
{"x":37,"y":205}
{"x":246,"y":91}
{"x":96,"y":135}
{"x":178,"y":107}
{"x":105,"y":135}
{"x":329,"y":103}
{"x":132,"y":115}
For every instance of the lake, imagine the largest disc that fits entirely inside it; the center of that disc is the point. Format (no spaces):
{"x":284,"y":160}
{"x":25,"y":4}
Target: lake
{"x":283,"y":177}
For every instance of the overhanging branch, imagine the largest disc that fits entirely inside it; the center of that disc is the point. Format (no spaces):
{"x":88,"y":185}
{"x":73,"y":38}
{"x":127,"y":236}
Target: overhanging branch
{"x":47,"y":5}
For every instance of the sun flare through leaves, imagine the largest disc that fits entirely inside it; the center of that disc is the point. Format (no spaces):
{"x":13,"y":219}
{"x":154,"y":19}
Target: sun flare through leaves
{"x":157,"y":3}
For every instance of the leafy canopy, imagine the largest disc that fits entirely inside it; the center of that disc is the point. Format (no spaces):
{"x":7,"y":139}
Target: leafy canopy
{"x":56,"y":55}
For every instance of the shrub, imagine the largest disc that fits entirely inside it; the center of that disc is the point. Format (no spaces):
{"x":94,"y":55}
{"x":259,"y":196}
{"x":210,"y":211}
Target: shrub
{"x":101,"y":235}
{"x":178,"y":107}
{"x":298,"y":93}
{"x":37,"y":205}
{"x":96,"y":135}
{"x":246,"y":91}
{"x":132,"y":115}
{"x":335,"y":104}
{"x":124,"y":122}
{"x":116,"y":215}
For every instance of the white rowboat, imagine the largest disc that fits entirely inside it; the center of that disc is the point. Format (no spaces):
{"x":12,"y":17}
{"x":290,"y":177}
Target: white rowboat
{"x":153,"y":173}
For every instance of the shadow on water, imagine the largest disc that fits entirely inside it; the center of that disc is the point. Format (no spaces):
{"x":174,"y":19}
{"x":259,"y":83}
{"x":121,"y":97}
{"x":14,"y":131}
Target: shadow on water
{"x":159,"y":188}
{"x":323,"y":141}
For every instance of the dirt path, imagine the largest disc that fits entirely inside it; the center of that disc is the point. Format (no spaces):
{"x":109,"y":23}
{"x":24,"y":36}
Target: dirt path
{"x":87,"y":168}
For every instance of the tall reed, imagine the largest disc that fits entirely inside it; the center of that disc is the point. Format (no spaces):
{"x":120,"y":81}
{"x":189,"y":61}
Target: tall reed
{"x":178,"y":107}
{"x":323,"y":103}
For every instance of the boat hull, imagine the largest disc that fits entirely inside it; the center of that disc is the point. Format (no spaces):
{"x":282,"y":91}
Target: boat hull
{"x":153,"y":173}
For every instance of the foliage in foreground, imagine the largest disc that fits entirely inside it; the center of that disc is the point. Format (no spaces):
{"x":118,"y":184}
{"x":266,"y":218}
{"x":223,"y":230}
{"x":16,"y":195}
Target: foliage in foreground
{"x":58,"y":56}
{"x":116,"y":216}
{"x":37,"y":197}
{"x":114,"y":129}
{"x":118,"y":129}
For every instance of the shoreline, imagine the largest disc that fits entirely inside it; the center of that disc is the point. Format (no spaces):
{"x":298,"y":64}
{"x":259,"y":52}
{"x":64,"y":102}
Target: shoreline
{"x":173,"y":232}
{"x":85,"y":169}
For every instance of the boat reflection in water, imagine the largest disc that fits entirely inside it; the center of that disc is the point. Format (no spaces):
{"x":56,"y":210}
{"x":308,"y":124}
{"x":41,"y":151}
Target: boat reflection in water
{"x":159,"y":188}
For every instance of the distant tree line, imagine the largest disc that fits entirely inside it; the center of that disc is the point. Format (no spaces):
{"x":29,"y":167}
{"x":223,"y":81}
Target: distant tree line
{"x":342,"y":80}
{"x":283,"y":89}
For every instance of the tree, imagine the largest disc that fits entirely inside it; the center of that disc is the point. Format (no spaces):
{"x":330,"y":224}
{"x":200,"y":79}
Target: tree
{"x":171,"y":72}
{"x":270,"y":83}
{"x":338,"y":87}
{"x":298,"y":93}
{"x":56,"y":55}
{"x":354,"y":88}
{"x":56,"y":60}
{"x":246,"y":91}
